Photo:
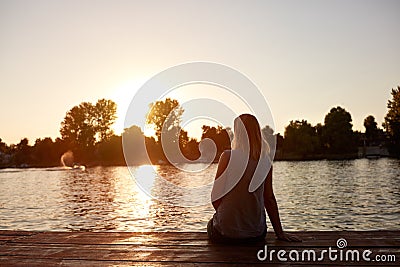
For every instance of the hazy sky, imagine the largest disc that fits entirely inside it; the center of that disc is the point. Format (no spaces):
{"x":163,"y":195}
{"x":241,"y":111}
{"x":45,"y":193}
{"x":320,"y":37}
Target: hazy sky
{"x":305,"y":56}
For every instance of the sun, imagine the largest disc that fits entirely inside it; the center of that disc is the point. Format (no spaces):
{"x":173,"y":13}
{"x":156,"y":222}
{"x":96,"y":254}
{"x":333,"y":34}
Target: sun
{"x":149,"y":130}
{"x":122,"y":95}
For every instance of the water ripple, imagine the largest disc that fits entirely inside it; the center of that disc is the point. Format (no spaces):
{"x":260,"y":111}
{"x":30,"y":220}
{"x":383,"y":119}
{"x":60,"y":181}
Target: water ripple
{"x":314,"y":195}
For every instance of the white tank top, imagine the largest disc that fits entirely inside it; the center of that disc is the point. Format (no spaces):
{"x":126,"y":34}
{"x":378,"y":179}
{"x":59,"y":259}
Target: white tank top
{"x":241,"y":213}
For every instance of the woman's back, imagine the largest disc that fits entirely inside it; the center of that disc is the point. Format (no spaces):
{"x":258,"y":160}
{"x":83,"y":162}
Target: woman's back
{"x":242,"y":189}
{"x":241,"y":213}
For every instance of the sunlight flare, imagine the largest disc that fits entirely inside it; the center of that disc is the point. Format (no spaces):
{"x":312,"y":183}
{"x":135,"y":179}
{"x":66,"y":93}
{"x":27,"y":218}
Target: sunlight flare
{"x":123,"y":95}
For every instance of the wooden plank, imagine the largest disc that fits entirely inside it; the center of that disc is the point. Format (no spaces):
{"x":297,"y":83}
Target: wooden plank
{"x":173,"y":248}
{"x":16,"y":233}
{"x":200,"y":235}
{"x":313,"y":239}
{"x":45,"y":262}
{"x":148,"y":254}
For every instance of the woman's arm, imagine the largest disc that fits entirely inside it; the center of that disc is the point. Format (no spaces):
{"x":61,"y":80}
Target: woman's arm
{"x":222,"y":164}
{"x":272,"y":209}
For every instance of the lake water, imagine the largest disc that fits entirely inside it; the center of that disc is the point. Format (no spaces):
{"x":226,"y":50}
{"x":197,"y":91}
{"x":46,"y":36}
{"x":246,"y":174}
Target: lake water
{"x":315,"y":195}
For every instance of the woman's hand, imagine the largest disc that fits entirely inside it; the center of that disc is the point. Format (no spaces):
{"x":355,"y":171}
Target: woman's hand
{"x":288,"y":237}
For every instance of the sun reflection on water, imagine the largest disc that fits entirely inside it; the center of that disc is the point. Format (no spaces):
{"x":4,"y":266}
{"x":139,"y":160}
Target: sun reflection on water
{"x":317,"y":195}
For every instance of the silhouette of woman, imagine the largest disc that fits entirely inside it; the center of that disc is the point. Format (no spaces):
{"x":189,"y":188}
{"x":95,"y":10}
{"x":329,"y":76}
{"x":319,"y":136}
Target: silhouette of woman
{"x":242,"y":189}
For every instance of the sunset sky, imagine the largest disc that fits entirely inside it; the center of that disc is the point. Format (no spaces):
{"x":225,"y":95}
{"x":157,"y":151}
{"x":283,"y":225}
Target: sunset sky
{"x":305,"y":56}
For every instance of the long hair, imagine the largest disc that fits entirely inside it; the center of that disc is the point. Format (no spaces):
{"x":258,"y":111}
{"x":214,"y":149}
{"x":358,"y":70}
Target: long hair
{"x":248,"y":137}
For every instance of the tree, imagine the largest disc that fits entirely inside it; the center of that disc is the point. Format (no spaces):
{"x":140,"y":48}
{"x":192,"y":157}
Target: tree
{"x":268,"y":135}
{"x":165,"y":116}
{"x":110,"y":152}
{"x":319,"y":129}
{"x":4,"y":156}
{"x":44,"y":153}
{"x":105,"y":112}
{"x":60,"y":147}
{"x":267,"y":131}
{"x":337,"y":132}
{"x":188,"y":146}
{"x":3,"y":146}
{"x":78,"y":125}
{"x":135,"y":145}
{"x":219,"y":135}
{"x":371,"y":129}
{"x":392,"y":122}
{"x":191,"y":149}
{"x":183,"y":139}
{"x":87,"y":124}
{"x":301,"y":138}
{"x":22,"y":152}
{"x":279,"y":146}
{"x":230,"y":132}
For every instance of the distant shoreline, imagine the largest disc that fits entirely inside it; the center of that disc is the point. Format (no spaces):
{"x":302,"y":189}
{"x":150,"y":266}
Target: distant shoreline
{"x":292,"y":158}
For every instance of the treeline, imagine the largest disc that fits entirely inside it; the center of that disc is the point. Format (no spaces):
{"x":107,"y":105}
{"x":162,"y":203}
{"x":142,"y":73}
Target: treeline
{"x":86,"y":131}
{"x":334,"y":139}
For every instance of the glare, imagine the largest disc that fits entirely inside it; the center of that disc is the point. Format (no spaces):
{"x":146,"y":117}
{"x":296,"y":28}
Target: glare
{"x":194,"y":127}
{"x":143,"y":200}
{"x":122,"y":95}
{"x":145,"y":175}
{"x":206,"y":91}
{"x":149,"y":130}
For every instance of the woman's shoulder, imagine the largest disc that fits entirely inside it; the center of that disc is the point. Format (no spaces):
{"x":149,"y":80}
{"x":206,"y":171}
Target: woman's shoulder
{"x":232,"y":155}
{"x":226,"y":152}
{"x":229,"y":153}
{"x":239,"y":155}
{"x":225,"y":156}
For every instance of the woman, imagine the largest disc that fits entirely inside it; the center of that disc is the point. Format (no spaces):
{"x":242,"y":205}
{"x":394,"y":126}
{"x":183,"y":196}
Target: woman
{"x":242,"y":189}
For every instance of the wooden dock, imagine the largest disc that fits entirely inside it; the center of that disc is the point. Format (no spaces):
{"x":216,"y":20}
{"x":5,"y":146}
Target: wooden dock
{"x":24,"y":248}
